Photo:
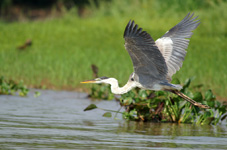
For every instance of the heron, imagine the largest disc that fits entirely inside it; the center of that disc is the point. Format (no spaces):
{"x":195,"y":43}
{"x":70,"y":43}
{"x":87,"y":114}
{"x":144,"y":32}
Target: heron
{"x":155,"y":62}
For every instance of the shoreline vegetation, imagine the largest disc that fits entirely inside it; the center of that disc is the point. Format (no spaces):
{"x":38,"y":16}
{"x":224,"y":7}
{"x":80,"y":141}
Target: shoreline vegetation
{"x":162,"y":106}
{"x":60,"y":51}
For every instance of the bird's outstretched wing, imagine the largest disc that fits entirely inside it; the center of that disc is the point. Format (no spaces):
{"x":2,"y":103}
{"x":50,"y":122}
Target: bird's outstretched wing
{"x":147,"y":60}
{"x":173,"y":43}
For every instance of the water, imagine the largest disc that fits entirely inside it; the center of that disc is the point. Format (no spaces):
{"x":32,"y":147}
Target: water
{"x":56,"y":120}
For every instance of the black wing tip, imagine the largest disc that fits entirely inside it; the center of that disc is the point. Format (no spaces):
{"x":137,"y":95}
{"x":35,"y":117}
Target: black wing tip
{"x":133,"y":30}
{"x":190,"y":17}
{"x":128,"y":27}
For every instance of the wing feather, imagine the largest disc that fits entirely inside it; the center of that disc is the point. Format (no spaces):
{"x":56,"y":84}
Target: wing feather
{"x":147,"y":60}
{"x":173,"y":43}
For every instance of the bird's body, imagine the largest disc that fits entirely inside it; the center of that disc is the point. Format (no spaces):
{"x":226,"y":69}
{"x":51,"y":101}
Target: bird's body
{"x":155,"y":62}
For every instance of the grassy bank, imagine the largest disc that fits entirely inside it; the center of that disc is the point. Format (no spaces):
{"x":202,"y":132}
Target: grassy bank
{"x":64,"y":48}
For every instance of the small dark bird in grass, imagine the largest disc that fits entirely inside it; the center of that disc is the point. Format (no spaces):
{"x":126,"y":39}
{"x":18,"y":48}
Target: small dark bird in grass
{"x":25,"y":45}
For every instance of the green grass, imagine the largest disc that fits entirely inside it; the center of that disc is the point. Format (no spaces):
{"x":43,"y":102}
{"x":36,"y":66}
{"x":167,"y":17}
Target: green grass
{"x":64,"y":48}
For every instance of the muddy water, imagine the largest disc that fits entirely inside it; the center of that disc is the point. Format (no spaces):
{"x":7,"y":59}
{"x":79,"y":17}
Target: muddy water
{"x":56,"y":120}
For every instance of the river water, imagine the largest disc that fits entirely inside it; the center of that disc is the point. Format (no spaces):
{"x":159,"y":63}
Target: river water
{"x":56,"y":120}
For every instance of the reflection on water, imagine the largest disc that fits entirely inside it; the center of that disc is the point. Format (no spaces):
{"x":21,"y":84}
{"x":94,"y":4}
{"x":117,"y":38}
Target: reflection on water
{"x":56,"y":120}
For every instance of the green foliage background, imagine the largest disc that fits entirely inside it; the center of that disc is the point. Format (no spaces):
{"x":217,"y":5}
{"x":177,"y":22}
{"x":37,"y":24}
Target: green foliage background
{"x":64,"y":48}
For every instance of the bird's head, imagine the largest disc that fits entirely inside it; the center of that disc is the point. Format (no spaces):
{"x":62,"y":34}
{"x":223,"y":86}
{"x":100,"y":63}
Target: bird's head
{"x":101,"y":80}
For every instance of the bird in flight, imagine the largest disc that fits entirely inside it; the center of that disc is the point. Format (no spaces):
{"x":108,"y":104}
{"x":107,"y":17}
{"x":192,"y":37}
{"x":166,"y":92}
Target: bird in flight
{"x":155,"y":62}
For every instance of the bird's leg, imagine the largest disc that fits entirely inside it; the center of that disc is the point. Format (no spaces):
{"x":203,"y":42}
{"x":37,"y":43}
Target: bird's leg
{"x":188,"y":99}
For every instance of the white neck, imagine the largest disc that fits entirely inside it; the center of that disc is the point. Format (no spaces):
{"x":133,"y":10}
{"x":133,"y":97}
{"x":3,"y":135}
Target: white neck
{"x":121,"y":90}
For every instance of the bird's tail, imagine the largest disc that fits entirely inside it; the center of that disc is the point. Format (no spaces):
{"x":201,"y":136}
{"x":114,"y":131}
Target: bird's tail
{"x":189,"y":99}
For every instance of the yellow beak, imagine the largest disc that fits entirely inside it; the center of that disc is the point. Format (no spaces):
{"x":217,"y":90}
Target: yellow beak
{"x":88,"y":81}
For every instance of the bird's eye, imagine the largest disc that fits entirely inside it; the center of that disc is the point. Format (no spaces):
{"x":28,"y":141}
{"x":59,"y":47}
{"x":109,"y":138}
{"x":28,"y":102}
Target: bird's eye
{"x":132,"y":79}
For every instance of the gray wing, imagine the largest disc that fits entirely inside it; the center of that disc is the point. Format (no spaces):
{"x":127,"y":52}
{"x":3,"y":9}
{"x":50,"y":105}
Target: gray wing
{"x":173,"y":44}
{"x":147,"y":60}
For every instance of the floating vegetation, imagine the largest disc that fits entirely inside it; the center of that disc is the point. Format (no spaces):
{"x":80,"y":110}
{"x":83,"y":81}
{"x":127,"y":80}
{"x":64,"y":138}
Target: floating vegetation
{"x":101,"y":92}
{"x":145,"y":105}
{"x":10,"y":87}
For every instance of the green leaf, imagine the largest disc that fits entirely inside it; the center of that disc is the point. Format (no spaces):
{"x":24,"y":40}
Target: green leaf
{"x":160,"y":93}
{"x":187,"y":83}
{"x":211,"y":103}
{"x":222,"y":109}
{"x":209,"y":95}
{"x":207,"y":114}
{"x":127,"y":101}
{"x":198,"y":97}
{"x":143,"y":94}
{"x":218,"y":104}
{"x":107,"y":114}
{"x":90,"y":107}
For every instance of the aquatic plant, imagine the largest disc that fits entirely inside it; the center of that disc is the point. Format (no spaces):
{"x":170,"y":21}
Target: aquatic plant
{"x":10,"y":87}
{"x":145,"y":105}
{"x":101,"y":92}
